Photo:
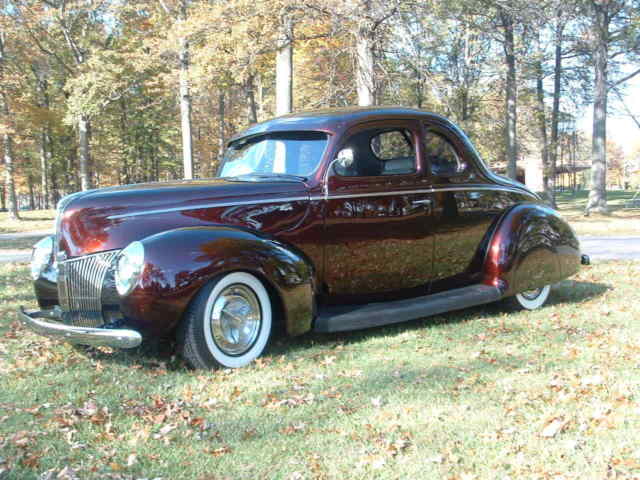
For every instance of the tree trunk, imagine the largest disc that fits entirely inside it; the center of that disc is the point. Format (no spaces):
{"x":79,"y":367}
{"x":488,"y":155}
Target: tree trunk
{"x":84,"y":125}
{"x":45,"y":137}
{"x":32,"y":203}
{"x":252,"y":108}
{"x":555,"y":111}
{"x":54,"y":190}
{"x":284,"y":68}
{"x":12,"y":200}
{"x":7,"y":141}
{"x":542,"y":126}
{"x":44,"y":169}
{"x":598,"y":194}
{"x":510,"y":95}
{"x":365,"y":74}
{"x":185,"y":110}
{"x":221,"y":134}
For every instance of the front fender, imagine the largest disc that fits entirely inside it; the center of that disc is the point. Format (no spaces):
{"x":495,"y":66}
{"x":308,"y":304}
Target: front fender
{"x":179,"y":262}
{"x":532,"y":246}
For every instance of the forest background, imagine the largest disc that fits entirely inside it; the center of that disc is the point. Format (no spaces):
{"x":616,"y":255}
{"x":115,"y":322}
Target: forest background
{"x":103,"y":92}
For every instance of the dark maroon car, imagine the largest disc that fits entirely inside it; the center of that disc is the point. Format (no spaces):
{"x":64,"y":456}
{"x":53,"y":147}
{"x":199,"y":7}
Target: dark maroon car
{"x":327,"y":221}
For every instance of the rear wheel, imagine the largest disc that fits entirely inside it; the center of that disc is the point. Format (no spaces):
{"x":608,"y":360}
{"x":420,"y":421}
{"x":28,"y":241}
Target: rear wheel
{"x":532,"y":299}
{"x":228,"y":324}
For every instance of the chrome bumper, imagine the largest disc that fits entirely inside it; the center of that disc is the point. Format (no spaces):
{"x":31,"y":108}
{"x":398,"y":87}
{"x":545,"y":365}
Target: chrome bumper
{"x":117,"y":338}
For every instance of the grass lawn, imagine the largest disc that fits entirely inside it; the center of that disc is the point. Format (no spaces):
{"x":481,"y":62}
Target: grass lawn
{"x":29,"y":221}
{"x":483,"y":393}
{"x":620,"y":221}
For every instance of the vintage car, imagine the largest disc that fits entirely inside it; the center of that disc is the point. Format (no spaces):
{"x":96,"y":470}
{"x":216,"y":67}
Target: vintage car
{"x":327,"y":221}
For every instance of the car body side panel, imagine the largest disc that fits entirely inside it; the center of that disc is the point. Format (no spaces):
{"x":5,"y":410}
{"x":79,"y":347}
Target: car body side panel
{"x":465,"y":209}
{"x":179,"y":262}
{"x":378,"y":230}
{"x":532,"y":246}
{"x":462,"y":221}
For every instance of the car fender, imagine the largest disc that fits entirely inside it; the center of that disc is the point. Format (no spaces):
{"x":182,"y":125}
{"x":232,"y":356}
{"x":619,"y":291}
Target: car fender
{"x":179,"y":262}
{"x":531,"y":246}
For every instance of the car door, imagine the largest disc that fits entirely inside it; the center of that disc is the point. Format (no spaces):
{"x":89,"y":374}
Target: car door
{"x":465,"y":204}
{"x":379,"y":239}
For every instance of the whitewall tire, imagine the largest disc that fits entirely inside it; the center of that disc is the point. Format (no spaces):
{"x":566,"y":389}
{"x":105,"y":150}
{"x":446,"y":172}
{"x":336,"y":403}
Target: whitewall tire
{"x":228,"y":324}
{"x":532,"y":299}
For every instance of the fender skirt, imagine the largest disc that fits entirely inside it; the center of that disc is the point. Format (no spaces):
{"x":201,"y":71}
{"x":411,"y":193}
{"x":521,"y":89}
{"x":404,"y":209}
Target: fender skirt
{"x":179,"y":262}
{"x":532,"y":246}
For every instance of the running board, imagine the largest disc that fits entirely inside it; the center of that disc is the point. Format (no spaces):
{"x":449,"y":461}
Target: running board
{"x":356,"y":317}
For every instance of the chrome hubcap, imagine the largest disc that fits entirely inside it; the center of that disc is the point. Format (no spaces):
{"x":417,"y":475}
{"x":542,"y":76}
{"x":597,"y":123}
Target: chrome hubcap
{"x":236,"y":319}
{"x":532,"y":294}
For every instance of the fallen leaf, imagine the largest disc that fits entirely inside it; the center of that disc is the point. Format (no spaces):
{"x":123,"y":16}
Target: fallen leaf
{"x":89,"y":408}
{"x":553,"y":427}
{"x":219,"y":451}
{"x":593,"y":380}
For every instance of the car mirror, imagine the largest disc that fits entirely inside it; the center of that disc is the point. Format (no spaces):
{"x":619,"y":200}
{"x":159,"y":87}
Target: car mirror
{"x":343,"y":161}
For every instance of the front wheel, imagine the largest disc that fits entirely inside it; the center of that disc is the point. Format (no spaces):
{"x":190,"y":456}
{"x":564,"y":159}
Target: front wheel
{"x":228,"y":324}
{"x":532,"y":299}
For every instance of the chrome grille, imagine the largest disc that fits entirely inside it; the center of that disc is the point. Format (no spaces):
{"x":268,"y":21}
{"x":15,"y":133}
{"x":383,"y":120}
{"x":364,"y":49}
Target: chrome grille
{"x":80,"y":283}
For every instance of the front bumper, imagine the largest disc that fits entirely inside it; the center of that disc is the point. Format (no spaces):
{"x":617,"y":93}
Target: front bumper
{"x":52,"y":327}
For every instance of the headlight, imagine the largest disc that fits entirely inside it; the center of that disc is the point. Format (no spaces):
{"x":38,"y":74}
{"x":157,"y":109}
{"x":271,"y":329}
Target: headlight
{"x":41,"y":256}
{"x":129,"y":267}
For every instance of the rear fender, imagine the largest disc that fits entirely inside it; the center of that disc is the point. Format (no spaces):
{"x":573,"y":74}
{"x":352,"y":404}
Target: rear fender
{"x":532,"y":246}
{"x":179,"y":262}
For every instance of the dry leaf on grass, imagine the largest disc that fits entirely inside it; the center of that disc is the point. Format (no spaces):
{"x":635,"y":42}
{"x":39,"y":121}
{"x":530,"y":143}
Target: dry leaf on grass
{"x":217,"y":452}
{"x":553,"y":427}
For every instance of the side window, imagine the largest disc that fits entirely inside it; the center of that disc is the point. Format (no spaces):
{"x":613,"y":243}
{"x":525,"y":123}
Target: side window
{"x":442,"y":156}
{"x":377,"y":152}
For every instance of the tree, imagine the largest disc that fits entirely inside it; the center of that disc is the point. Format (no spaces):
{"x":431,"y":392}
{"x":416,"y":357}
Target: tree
{"x":366,"y":19}
{"x":179,"y":13}
{"x":612,"y":34}
{"x":284,"y":65}
{"x":7,"y":130}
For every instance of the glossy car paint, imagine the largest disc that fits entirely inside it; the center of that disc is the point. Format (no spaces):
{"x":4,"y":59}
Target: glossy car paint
{"x":169,"y":282}
{"x":355,"y":249}
{"x":531,"y":247}
{"x":379,"y":234}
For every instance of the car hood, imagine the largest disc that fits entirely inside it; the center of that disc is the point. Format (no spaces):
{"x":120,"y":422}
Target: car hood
{"x":110,"y":218}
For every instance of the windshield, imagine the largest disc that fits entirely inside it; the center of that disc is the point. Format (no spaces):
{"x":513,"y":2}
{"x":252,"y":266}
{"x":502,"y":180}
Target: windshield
{"x":288,"y":153}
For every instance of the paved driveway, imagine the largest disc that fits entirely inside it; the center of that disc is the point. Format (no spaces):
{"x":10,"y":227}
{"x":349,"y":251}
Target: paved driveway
{"x":12,"y":255}
{"x":611,"y":248}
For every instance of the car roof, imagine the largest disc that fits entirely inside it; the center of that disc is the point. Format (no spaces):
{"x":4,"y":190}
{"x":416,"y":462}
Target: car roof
{"x":332,"y":120}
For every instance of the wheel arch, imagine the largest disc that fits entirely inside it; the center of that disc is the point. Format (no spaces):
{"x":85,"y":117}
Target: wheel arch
{"x":179,"y":262}
{"x":530,"y":247}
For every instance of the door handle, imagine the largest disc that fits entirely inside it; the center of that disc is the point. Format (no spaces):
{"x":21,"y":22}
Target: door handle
{"x":426,"y":201}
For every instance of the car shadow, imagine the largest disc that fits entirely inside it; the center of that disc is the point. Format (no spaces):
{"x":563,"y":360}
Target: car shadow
{"x":566,"y":291}
{"x":162,"y":353}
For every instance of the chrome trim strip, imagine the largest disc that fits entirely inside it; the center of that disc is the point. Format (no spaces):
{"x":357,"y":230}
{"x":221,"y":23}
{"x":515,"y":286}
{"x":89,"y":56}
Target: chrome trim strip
{"x":208,"y":205}
{"x":424,"y":190}
{"x":117,"y":338}
{"x":319,"y":197}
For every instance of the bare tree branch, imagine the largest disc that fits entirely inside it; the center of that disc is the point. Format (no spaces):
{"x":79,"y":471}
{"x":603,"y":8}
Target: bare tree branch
{"x":624,"y":79}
